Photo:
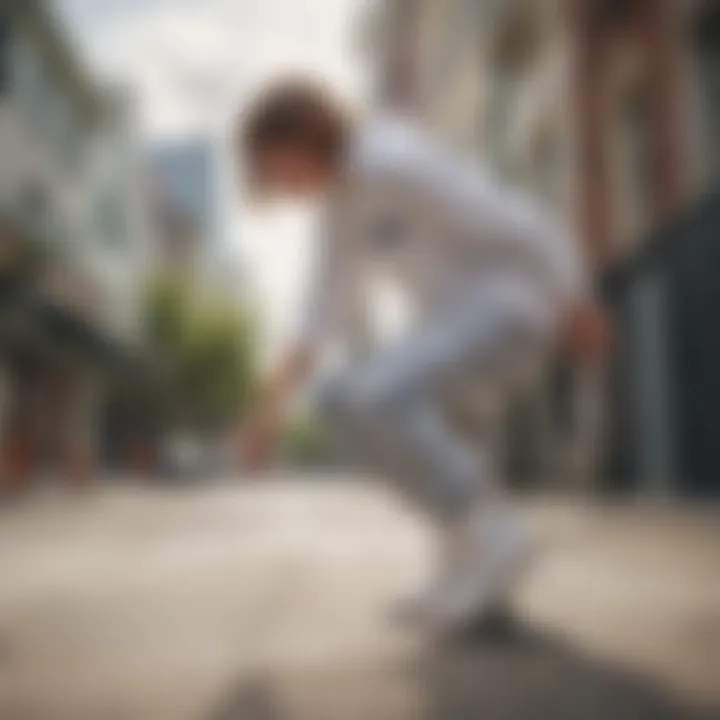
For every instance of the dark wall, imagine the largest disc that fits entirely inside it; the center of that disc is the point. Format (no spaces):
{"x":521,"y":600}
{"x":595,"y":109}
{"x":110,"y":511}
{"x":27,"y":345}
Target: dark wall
{"x":694,"y":280}
{"x":685,"y":260}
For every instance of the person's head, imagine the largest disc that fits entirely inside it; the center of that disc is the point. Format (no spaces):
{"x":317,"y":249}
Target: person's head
{"x":292,"y":139}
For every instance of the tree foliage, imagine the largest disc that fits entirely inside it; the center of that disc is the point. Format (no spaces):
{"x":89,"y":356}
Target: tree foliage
{"x":303,"y":443}
{"x":201,"y":350}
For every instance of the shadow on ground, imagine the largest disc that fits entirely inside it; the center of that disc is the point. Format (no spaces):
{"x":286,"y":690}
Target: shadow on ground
{"x":505,"y":672}
{"x":6,"y":649}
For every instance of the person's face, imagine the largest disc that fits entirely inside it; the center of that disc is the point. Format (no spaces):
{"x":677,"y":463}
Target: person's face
{"x":291,"y":173}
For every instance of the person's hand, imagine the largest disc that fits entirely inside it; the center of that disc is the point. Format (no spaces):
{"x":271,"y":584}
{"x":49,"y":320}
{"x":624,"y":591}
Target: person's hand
{"x":257,"y":442}
{"x":587,"y":333}
{"x":258,"y":436}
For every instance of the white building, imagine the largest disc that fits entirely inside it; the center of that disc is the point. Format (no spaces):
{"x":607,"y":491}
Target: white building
{"x":72,"y":233}
{"x":67,"y":180}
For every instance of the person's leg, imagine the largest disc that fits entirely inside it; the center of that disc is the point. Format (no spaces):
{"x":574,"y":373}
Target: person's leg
{"x":390,"y":411}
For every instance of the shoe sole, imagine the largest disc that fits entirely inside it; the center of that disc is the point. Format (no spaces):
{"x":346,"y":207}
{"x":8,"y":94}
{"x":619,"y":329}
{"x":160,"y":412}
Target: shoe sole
{"x":507,"y":581}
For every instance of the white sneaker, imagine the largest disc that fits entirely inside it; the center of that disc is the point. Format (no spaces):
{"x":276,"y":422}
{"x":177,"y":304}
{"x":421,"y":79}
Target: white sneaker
{"x":418,"y":607}
{"x":493,"y":551}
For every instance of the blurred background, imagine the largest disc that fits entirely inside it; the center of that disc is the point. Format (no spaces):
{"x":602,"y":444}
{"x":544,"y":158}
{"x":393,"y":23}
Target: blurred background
{"x":141,"y":299}
{"x":608,"y":112}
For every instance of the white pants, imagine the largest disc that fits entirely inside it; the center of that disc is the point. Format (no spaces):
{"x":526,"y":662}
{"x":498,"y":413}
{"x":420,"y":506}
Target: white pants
{"x":391,"y":410}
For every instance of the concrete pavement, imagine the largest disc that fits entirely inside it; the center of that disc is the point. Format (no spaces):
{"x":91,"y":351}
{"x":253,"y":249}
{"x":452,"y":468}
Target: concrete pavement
{"x":268,"y":602}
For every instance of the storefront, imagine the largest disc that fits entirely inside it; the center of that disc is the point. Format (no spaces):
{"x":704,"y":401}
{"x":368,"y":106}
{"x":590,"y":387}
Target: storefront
{"x":54,"y":368}
{"x":664,"y":434}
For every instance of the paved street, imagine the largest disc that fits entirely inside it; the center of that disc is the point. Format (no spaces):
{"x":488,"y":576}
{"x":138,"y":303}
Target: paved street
{"x":269,"y":603}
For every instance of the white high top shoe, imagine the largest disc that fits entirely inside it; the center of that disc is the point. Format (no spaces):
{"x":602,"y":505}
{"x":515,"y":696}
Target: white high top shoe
{"x":418,"y":606}
{"x":488,"y":553}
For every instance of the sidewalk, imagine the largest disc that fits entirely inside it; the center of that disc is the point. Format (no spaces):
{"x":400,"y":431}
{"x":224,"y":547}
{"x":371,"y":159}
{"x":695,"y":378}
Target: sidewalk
{"x":268,"y":601}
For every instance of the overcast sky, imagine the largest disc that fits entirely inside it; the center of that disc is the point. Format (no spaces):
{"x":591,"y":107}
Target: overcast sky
{"x":192,"y":63}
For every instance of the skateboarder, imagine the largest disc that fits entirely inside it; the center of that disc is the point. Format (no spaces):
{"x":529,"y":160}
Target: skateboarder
{"x":493,"y":286}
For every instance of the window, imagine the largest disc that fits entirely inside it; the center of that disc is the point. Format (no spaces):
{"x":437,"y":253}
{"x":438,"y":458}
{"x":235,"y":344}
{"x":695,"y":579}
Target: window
{"x":635,"y":183}
{"x":707,"y":53}
{"x":35,"y":203}
{"x":547,"y":167}
{"x":111,"y":219}
{"x":32,"y":87}
{"x":503,"y":93}
{"x":68,"y":134}
{"x":36,"y":207}
{"x":4,"y":55}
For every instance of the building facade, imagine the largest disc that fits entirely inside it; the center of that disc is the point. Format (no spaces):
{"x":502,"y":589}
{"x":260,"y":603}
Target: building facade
{"x":71,"y":245}
{"x":192,"y":200}
{"x":185,"y":176}
{"x":607,"y":112}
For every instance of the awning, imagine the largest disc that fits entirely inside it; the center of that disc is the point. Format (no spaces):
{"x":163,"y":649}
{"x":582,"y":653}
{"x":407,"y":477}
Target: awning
{"x":35,"y":320}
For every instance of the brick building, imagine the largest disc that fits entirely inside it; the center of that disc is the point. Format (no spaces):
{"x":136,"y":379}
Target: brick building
{"x":606,"y":110}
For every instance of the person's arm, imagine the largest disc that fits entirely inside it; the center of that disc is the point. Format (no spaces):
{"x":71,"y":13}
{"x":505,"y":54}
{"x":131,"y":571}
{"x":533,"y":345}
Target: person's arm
{"x":478,"y":210}
{"x":259,"y":435}
{"x":327,"y":306}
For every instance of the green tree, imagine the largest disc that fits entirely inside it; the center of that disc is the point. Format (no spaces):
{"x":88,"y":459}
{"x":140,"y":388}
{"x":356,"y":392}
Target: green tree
{"x":201,"y":351}
{"x":304,"y":443}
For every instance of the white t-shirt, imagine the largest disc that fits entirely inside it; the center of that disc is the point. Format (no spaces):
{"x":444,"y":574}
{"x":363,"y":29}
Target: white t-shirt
{"x":434,"y":222}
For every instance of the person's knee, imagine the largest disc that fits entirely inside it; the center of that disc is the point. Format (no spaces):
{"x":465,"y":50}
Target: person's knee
{"x":334,"y":400}
{"x":341,"y":399}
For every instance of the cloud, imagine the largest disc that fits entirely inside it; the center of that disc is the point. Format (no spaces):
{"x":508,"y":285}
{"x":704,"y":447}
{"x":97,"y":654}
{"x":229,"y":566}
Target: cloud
{"x":193,"y":61}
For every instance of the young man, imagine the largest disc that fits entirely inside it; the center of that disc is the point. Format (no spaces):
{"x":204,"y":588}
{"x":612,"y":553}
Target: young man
{"x":493,"y":285}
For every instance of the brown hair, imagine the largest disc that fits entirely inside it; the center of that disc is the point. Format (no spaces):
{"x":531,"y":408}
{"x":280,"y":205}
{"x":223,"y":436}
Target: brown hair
{"x":295,"y":114}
